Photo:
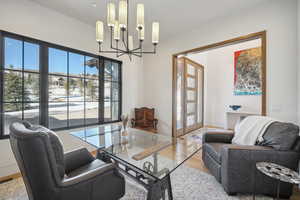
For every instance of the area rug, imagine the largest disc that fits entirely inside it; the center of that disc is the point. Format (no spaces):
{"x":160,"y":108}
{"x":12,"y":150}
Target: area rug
{"x":197,"y":185}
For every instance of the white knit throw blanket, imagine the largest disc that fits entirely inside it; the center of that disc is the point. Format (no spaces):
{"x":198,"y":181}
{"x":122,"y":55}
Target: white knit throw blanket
{"x":251,"y":129}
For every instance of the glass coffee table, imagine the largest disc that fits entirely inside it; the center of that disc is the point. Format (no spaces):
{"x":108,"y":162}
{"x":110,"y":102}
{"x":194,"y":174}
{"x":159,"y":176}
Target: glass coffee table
{"x":146,"y":157}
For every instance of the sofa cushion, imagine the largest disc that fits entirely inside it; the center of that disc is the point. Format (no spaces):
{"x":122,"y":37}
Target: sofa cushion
{"x":281,"y":136}
{"x":214,"y":150}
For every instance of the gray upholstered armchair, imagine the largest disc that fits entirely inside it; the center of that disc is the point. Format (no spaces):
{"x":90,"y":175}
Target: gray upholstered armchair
{"x":234,"y":165}
{"x":49,"y":174}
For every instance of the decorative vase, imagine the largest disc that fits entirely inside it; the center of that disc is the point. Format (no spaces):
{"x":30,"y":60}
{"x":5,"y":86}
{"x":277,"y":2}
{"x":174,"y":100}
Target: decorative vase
{"x":124,"y":119}
{"x":235,"y":107}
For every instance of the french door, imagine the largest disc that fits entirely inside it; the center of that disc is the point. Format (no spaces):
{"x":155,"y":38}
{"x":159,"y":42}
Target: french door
{"x":189,"y":96}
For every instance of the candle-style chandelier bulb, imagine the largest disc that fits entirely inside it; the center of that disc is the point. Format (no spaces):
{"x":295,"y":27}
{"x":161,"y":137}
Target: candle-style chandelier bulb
{"x":123,"y":14}
{"x":140,"y":23}
{"x":99,"y":31}
{"x":111,"y":14}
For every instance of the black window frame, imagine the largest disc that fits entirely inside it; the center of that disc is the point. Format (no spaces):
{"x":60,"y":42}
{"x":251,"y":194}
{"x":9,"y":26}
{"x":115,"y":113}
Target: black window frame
{"x":44,"y":74}
{"x":118,"y":82}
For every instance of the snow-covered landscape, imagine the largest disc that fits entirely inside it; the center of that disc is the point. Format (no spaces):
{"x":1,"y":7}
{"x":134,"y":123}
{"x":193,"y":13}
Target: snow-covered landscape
{"x":81,"y":106}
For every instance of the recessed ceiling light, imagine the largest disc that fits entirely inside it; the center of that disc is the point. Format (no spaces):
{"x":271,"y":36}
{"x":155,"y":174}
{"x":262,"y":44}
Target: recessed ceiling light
{"x":94,"y":5}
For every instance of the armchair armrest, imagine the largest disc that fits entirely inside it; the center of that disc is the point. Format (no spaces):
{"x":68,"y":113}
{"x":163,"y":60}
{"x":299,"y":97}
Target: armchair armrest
{"x":77,"y":158}
{"x":94,"y":173}
{"x":217,"y":137}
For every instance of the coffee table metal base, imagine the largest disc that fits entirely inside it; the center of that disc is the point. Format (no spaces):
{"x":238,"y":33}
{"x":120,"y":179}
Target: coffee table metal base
{"x":155,"y":187}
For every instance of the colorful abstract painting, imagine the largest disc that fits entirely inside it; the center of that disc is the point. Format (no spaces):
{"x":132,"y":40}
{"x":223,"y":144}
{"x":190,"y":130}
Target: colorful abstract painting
{"x":247,"y":72}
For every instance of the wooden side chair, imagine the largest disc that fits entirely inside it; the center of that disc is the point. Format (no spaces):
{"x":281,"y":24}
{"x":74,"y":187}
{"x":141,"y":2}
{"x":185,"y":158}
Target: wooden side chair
{"x":144,"y":119}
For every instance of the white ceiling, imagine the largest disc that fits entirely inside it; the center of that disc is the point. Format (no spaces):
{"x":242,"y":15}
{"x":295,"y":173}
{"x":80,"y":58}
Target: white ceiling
{"x":175,"y":16}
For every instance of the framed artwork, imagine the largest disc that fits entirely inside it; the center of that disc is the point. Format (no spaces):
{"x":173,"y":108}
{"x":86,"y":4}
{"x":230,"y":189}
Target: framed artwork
{"x":248,"y":72}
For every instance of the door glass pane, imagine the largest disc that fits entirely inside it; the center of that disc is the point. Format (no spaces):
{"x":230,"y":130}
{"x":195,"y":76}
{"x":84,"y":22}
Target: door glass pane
{"x":191,"y":107}
{"x":191,"y":95}
{"x":115,"y":71}
{"x":200,"y":94}
{"x":58,"y":114}
{"x":191,"y":83}
{"x":190,"y":120}
{"x":107,"y":91}
{"x":92,"y":90}
{"x":179,"y":98}
{"x":31,"y":87}
{"x":107,"y":111}
{"x":107,"y":70}
{"x":32,"y":112}
{"x":58,"y":88}
{"x":115,"y":91}
{"x":58,"y":61}
{"x":13,"y":53}
{"x":76,"y":65}
{"x":92,"y":112}
{"x":12,"y":113}
{"x":13,"y":91}
{"x":31,"y":57}
{"x":91,"y":68}
{"x":76,"y":89}
{"x":115,"y":110}
{"x":191,"y":70}
{"x":76,"y":113}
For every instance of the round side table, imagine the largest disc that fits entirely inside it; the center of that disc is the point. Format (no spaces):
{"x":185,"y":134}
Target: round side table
{"x":279,"y":173}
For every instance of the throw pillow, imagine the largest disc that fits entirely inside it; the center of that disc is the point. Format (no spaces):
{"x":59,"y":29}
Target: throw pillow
{"x":281,"y":136}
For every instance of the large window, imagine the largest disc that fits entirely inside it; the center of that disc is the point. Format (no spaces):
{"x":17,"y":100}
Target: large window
{"x":20,"y":82}
{"x":81,"y":88}
{"x":73,"y":89}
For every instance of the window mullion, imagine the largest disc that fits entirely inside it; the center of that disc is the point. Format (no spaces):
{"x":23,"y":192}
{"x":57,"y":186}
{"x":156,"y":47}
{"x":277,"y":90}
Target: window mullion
{"x":84,"y":93}
{"x":68,"y":90}
{"x":101,"y":89}
{"x":120,"y":90}
{"x":1,"y":85}
{"x":44,"y":86}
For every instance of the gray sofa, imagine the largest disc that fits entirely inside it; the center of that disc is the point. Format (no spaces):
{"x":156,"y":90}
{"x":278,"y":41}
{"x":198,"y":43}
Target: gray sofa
{"x":49,"y":174}
{"x":234,"y":165}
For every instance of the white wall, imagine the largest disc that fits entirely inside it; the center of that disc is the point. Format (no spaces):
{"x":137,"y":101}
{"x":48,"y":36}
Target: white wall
{"x":276,"y":16}
{"x":27,"y":18}
{"x":219,"y":83}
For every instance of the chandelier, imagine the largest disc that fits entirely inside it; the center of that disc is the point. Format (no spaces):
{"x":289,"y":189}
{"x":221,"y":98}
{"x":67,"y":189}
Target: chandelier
{"x":119,"y":31}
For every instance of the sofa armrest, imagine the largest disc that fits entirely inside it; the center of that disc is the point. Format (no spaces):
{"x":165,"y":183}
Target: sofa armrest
{"x":77,"y":158}
{"x":238,"y":166}
{"x":217,"y":137}
{"x":94,"y":173}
